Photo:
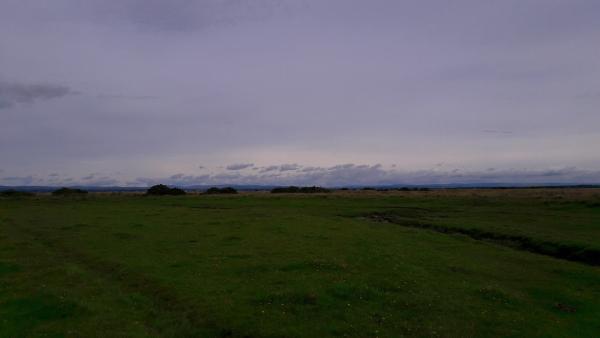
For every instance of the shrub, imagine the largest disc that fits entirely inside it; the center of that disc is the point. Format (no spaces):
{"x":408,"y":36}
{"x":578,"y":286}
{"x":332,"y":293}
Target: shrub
{"x":68,"y":191}
{"x":226,"y":190}
{"x":304,"y":190}
{"x":161,"y":189}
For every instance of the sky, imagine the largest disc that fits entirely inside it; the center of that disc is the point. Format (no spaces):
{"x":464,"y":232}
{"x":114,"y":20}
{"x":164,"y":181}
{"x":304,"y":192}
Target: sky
{"x":324,"y":92}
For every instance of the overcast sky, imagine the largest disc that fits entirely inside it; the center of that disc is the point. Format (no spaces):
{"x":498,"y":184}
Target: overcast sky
{"x":134,"y":92}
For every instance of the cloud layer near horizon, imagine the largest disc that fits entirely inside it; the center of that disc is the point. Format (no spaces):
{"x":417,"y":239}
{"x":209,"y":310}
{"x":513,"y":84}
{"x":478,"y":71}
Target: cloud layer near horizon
{"x":339,"y":175}
{"x":163,"y":86}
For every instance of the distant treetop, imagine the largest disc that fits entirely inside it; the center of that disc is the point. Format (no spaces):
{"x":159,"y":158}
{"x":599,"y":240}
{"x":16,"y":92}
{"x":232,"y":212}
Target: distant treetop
{"x":161,"y":189}
{"x":68,"y":191}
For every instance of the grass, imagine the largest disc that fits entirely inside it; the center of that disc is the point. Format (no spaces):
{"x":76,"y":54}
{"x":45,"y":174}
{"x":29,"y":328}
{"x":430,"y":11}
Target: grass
{"x":577,"y":252}
{"x":262,"y":265}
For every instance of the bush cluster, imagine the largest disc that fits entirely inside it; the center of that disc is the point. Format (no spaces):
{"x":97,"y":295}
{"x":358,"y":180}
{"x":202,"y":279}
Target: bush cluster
{"x":226,"y":190}
{"x":161,"y":189}
{"x":68,"y":191}
{"x":304,"y":190}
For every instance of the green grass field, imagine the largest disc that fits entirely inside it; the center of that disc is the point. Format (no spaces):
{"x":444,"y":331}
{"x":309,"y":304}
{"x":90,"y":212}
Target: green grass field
{"x":348,"y":264}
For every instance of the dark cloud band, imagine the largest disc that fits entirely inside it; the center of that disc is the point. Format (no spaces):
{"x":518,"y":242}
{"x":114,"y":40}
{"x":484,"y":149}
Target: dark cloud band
{"x":13,"y":93}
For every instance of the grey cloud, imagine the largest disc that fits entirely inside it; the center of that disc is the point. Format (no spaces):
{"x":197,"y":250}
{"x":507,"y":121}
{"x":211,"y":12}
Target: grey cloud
{"x":412,"y":82}
{"x":341,"y":166}
{"x":309,"y":169}
{"x":269,"y":168}
{"x":336,"y":175}
{"x":13,"y":93}
{"x":347,"y":175}
{"x":186,"y":15}
{"x":344,"y":175}
{"x":493,"y":131}
{"x":127,"y":97}
{"x":18,"y":180}
{"x":92,"y":180}
{"x":376,"y":175}
{"x":559,"y":172}
{"x":289,"y":167}
{"x":176,"y":180}
{"x":589,"y":95}
{"x":227,"y":177}
{"x":103,"y":182}
{"x":283,"y":167}
{"x":5,"y":103}
{"x":239,"y":166}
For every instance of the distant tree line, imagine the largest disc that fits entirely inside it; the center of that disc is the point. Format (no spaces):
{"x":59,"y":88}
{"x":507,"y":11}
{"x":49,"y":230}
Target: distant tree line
{"x":68,"y":192}
{"x":15,"y":193}
{"x":57,"y":192}
{"x":388,"y":189}
{"x":302,"y":190}
{"x":226,"y":190}
{"x":404,"y":189}
{"x":161,"y":190}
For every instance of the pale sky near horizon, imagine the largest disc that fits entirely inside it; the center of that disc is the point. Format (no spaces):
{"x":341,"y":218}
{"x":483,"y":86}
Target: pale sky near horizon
{"x":326,"y":92}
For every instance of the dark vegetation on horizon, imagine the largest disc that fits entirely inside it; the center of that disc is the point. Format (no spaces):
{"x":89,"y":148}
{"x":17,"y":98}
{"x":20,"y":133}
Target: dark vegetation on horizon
{"x":455,"y":186}
{"x":68,"y":192}
{"x":394,"y":189}
{"x":302,"y":190}
{"x":161,"y":190}
{"x":215,"y":190}
{"x":15,"y":193}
